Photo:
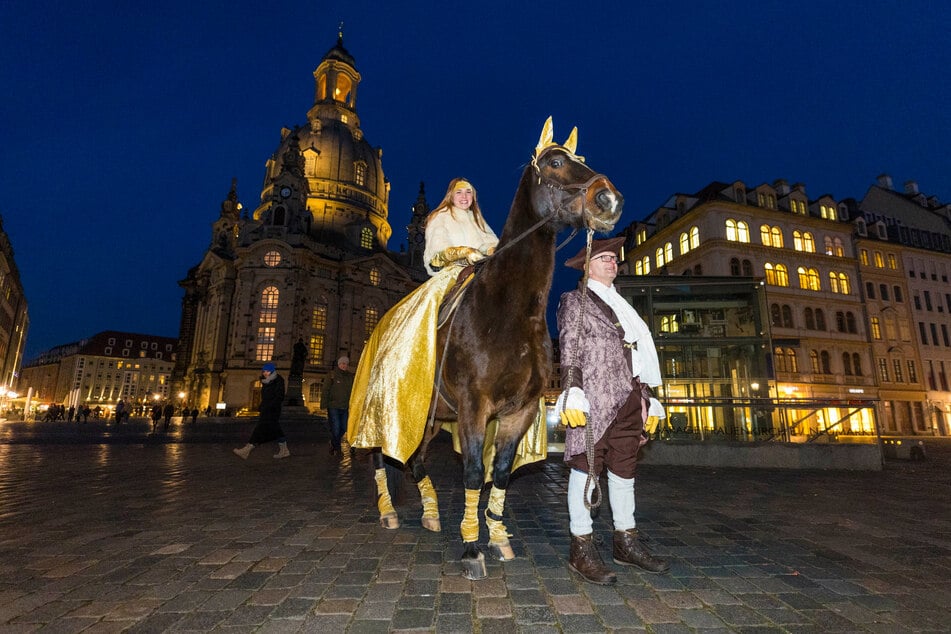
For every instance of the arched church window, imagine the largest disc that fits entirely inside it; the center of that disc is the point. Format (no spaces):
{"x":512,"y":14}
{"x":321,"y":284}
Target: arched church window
{"x":322,"y":88}
{"x":343,"y":91}
{"x":272,"y":258}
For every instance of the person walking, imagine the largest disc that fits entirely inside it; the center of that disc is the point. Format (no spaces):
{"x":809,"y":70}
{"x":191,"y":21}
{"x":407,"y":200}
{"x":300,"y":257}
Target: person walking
{"x":269,"y":426}
{"x":156,"y":415}
{"x":120,"y":411}
{"x":336,"y":398}
{"x":608,"y":365}
{"x":168,"y":411}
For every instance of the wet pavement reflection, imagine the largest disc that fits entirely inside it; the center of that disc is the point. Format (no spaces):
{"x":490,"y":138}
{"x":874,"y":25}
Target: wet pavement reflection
{"x":105,"y":529}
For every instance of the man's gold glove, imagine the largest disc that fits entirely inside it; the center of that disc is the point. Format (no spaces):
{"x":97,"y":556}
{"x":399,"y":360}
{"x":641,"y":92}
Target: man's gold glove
{"x":573,"y":407}
{"x":573,"y":418}
{"x":452,"y":254}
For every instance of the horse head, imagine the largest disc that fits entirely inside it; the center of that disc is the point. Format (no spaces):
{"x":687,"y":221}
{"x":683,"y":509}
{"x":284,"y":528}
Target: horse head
{"x":567,"y":190}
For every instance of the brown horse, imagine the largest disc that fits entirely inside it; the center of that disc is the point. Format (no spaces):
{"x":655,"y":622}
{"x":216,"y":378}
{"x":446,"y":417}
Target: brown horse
{"x":495,"y":353}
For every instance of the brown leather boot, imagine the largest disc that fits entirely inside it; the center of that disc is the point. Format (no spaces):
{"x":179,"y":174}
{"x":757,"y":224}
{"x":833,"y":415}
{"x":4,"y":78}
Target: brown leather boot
{"x":586,"y":561}
{"x":628,"y":551}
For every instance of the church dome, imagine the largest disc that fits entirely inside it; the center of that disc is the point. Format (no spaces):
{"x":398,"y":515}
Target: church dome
{"x":346,"y":191}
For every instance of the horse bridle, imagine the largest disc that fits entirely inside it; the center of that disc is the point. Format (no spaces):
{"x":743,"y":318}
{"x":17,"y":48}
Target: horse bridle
{"x":551,"y":184}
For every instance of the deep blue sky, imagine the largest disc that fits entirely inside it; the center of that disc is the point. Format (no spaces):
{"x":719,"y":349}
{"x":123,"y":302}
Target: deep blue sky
{"x":122,"y":123}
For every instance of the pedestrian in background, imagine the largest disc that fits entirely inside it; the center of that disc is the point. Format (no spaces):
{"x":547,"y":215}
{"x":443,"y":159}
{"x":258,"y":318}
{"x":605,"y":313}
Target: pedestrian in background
{"x":194,"y":416}
{"x":269,"y":426}
{"x":336,"y":398}
{"x":120,"y":411}
{"x":156,"y":415}
{"x":168,"y":412}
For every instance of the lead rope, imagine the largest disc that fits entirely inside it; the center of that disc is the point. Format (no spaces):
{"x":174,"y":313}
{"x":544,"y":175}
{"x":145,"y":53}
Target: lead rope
{"x":593,"y":501}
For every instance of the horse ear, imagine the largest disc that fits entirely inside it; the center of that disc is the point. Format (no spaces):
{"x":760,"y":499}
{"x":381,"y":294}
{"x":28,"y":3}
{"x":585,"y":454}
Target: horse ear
{"x":546,"y":137}
{"x":572,"y":143}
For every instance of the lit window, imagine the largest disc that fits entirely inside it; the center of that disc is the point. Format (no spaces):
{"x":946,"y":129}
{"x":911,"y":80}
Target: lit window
{"x":668,"y":323}
{"x":814,"y":361}
{"x":659,"y":257}
{"x":318,"y":318}
{"x":737,"y":231}
{"x":316,"y":348}
{"x":771,"y":236}
{"x":876,"y":328}
{"x":375,"y":276}
{"x":839,"y":283}
{"x":266,"y":335}
{"x":879,"y":260}
{"x":272,"y":258}
{"x":668,"y":252}
{"x":827,"y":212}
{"x":360,"y":173}
{"x":684,"y":243}
{"x":776,"y":275}
{"x":366,"y":238}
{"x":892,"y":262}
{"x":370,"y":318}
{"x":694,"y":237}
{"x":269,"y":300}
{"x":863,"y":256}
{"x":265,"y":343}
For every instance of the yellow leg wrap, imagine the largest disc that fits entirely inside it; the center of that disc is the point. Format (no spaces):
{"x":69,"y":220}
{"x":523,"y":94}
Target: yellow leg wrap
{"x":497,"y":531}
{"x":383,"y":501}
{"x":428,"y":495}
{"x":470,"y":517}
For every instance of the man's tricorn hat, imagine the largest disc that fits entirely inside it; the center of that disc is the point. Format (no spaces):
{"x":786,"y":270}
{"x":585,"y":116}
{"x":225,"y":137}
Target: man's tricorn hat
{"x":609,"y":245}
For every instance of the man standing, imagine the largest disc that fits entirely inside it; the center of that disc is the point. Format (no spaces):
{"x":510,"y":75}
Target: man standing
{"x":608,"y":362}
{"x":269,"y":426}
{"x":336,"y":398}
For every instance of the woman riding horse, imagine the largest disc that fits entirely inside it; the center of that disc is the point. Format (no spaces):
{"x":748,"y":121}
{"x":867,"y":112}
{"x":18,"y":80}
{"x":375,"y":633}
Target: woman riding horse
{"x":495,"y":350}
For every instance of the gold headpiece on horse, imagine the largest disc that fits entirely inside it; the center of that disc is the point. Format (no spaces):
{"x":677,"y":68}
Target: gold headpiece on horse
{"x":545,"y":140}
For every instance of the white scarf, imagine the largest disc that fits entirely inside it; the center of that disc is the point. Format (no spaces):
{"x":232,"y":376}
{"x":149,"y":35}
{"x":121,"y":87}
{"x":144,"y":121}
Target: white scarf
{"x":644,"y":358}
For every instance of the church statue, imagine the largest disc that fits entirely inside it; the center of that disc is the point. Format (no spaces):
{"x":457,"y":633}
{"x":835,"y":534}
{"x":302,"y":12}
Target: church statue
{"x":297,"y":361}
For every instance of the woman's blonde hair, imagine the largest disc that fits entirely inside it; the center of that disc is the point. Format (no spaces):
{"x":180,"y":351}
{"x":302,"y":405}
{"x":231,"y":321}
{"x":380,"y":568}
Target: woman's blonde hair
{"x":446,"y":204}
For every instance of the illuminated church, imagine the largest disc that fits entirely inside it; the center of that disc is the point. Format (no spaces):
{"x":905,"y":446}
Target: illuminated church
{"x":309,"y":266}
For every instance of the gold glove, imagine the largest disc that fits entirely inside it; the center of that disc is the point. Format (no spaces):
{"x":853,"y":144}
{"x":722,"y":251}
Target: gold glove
{"x":452,"y":254}
{"x":574,"y":418}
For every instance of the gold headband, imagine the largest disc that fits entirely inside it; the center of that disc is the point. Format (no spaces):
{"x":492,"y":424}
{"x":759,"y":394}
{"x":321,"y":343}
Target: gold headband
{"x":463,"y":184}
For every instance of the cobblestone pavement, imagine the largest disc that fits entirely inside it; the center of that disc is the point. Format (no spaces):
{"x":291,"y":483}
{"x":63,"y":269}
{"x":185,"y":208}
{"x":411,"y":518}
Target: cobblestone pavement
{"x":107,"y":531}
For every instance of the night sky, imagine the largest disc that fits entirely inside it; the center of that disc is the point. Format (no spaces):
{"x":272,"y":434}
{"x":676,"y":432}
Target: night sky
{"x":122,"y":123}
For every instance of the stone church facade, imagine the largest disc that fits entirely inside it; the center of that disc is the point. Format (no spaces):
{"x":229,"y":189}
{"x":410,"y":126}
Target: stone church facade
{"x":309,"y":265}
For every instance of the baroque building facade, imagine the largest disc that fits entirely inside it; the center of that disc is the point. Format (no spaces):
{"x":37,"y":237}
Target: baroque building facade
{"x":307,"y":267}
{"x":14,"y":317}
{"x":854,"y":341}
{"x":102,"y":369}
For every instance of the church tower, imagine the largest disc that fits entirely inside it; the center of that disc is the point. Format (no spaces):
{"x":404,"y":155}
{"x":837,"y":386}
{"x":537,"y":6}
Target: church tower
{"x":309,"y":264}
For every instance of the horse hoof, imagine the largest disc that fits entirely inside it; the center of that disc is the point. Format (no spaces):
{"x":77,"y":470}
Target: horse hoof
{"x":390,"y":521}
{"x":473,"y":568}
{"x":432,"y":524}
{"x":502,"y":552}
